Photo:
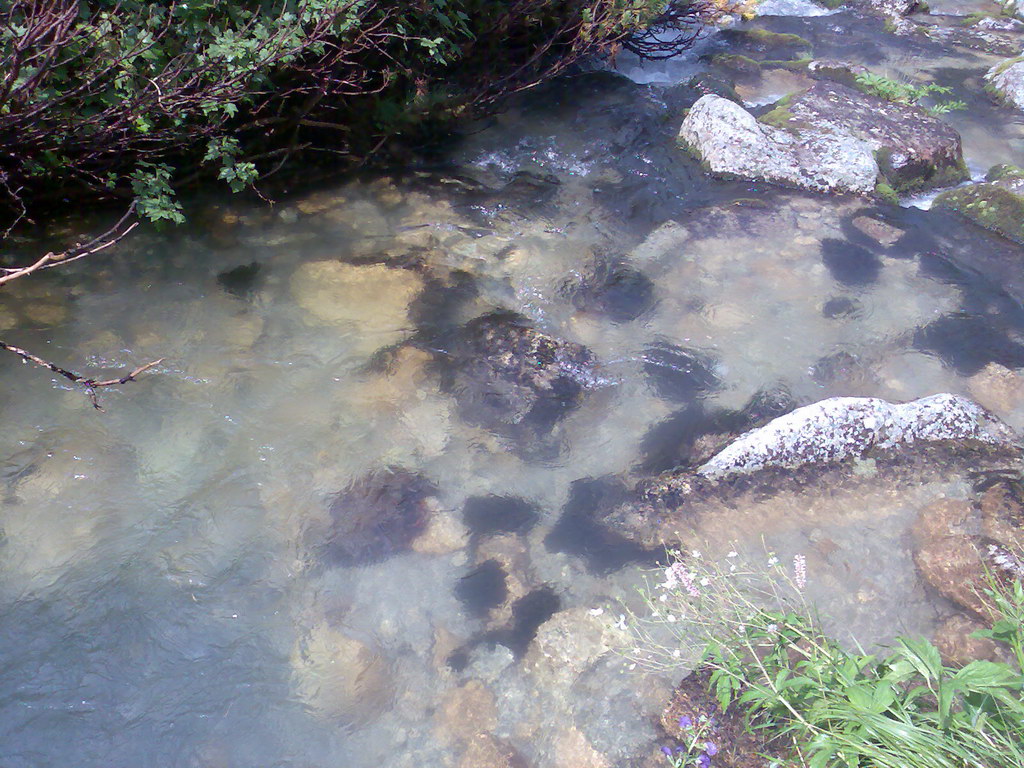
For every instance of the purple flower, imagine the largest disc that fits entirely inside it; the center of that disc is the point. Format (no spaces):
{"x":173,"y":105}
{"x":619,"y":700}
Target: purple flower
{"x":704,"y":761}
{"x":667,"y":751}
{"x":711,"y":748}
{"x":686,"y":722}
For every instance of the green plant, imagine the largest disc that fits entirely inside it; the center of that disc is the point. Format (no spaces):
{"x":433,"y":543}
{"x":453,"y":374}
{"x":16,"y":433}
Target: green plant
{"x":123,"y":99}
{"x":824,"y":705}
{"x":907,"y":93}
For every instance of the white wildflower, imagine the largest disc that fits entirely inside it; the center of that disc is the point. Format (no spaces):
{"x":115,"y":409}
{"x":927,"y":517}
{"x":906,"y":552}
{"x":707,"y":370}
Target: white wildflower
{"x":800,"y":572}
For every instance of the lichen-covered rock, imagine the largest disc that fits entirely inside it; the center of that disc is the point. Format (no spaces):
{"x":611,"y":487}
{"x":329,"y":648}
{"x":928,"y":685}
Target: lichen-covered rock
{"x":790,"y":8}
{"x":848,"y":427}
{"x":1006,"y":81}
{"x":892,"y":11}
{"x":828,"y":138}
{"x":891,"y":8}
{"x":996,"y":204}
{"x":730,"y":141}
{"x":913,"y":149}
{"x":1013,"y":7}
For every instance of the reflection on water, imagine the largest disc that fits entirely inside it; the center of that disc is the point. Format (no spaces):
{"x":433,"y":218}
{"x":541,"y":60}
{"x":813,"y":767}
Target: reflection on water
{"x":356,"y":516}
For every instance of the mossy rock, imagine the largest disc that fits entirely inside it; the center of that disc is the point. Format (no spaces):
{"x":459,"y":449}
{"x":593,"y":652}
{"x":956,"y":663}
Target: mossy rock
{"x":885,"y":193}
{"x":990,"y":205}
{"x":1005,"y":171}
{"x":762,"y":45}
{"x":917,"y":176}
{"x":734,"y":62}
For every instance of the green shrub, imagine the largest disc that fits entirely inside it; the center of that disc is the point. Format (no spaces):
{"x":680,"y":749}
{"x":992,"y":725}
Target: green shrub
{"x":122,"y":98}
{"x":820,"y":703}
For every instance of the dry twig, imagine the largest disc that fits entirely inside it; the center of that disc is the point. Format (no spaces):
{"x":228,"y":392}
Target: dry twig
{"x":91,"y":385}
{"x":120,"y":229}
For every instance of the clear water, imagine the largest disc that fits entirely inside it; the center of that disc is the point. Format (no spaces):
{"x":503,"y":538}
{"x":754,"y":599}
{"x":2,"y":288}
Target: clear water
{"x":165,"y":595}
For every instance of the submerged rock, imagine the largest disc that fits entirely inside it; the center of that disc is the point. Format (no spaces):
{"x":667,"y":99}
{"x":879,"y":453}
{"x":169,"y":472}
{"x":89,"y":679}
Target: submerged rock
{"x":958,"y":543}
{"x":373,"y":299}
{"x":612,"y":288}
{"x":848,"y":427}
{"x":828,"y":138}
{"x":997,"y":203}
{"x":379,"y":515}
{"x":1006,"y":81}
{"x":467,"y":713}
{"x":998,"y":388}
{"x":507,"y":374}
{"x":339,"y":677}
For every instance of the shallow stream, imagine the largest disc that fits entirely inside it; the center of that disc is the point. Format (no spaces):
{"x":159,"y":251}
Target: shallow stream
{"x":179,"y":585}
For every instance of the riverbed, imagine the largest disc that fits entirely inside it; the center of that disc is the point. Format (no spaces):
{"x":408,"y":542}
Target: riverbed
{"x":179,"y":585}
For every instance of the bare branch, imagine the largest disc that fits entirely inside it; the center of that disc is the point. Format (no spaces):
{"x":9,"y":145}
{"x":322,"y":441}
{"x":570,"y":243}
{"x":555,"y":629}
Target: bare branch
{"x":90,"y":384}
{"x":95,"y":245}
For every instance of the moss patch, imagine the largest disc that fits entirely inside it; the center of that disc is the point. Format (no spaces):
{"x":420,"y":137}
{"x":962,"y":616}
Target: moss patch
{"x":885,"y":192}
{"x":780,"y":116}
{"x":1004,"y":171}
{"x":988,"y":205}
